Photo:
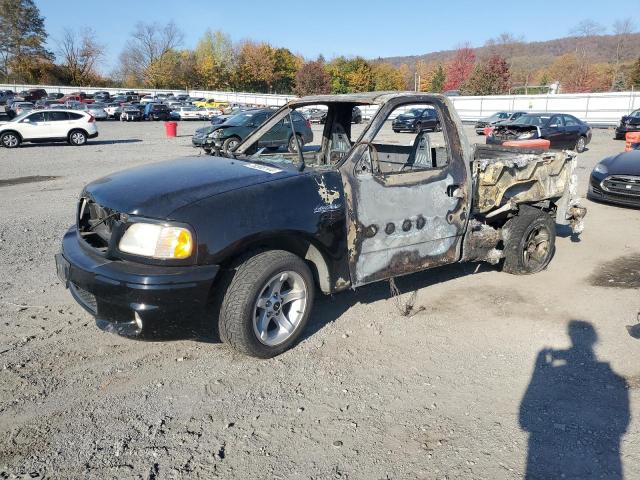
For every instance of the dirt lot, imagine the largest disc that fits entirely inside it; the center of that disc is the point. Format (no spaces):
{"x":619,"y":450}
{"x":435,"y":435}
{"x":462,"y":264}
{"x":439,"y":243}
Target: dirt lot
{"x":368,"y":394}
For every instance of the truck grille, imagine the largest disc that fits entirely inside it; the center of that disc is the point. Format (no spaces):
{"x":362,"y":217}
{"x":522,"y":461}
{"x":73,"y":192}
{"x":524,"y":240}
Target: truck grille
{"x":622,"y":184}
{"x":95,"y":223}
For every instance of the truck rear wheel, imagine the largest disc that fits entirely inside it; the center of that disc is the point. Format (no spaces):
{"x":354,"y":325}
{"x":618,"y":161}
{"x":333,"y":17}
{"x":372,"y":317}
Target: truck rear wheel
{"x":266,"y":304}
{"x":529,"y":243}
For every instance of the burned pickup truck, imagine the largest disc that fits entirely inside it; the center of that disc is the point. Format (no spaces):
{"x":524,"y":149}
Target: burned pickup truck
{"x":244,"y":240}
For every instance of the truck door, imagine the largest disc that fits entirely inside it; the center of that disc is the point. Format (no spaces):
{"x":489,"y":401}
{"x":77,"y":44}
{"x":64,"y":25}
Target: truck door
{"x":408,"y":196}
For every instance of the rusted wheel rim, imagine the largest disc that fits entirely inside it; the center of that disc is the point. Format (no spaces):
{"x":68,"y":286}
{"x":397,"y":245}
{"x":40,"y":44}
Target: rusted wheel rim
{"x":536,"y":248}
{"x":279,"y":308}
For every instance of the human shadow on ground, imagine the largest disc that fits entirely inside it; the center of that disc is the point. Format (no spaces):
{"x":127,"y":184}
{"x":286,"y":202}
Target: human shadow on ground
{"x":576,"y":410}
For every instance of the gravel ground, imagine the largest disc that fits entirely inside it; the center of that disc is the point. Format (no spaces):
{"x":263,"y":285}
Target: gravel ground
{"x":368,"y":394}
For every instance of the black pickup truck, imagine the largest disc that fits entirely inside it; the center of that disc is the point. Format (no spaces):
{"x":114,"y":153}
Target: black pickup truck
{"x":244,"y":240}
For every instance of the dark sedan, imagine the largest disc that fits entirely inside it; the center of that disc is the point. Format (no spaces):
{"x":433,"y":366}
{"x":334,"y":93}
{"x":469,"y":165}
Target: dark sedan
{"x":562,"y":130}
{"x":628,"y":123}
{"x":616,"y":179}
{"x":415,"y":120}
{"x":496,"y":119}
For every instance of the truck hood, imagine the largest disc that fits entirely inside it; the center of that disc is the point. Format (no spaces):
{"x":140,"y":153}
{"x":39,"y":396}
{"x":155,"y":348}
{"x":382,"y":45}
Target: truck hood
{"x":158,"y":189}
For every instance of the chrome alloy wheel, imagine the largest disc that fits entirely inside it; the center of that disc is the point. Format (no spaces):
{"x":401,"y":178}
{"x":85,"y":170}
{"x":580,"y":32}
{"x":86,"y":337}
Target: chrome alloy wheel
{"x":279,"y":308}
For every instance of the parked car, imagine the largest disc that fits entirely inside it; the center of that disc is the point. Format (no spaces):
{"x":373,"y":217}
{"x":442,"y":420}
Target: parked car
{"x":356,"y":116}
{"x":233,"y":131}
{"x":147,"y":99}
{"x":415,"y":120}
{"x":628,"y":123}
{"x":246,"y":240}
{"x":561,"y":129}
{"x":491,"y":120}
{"x":187,"y":113}
{"x":54,"y":125}
{"x":40,"y":104}
{"x":33,"y":94}
{"x":131,"y":114}
{"x":207,"y":113}
{"x":54,"y":96}
{"x":6,"y":96}
{"x":211,"y":103}
{"x":156,"y":111}
{"x":616,"y":179}
{"x":314,"y":115}
{"x":113,"y":110}
{"x":98,"y":110}
{"x":77,"y":97}
{"x":21,"y":107}
{"x":182,"y":97}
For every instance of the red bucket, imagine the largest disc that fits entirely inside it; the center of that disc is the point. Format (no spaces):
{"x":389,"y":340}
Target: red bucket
{"x":171,"y":129}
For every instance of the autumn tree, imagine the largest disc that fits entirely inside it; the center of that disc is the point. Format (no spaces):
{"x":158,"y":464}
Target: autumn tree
{"x":80,"y":52}
{"x":459,"y":68}
{"x":426,"y":72}
{"x":22,"y":40}
{"x":255,"y":70}
{"x":285,"y":67}
{"x":573,"y":74}
{"x":150,"y":54}
{"x":350,"y":75}
{"x":312,"y":79}
{"x":215,"y":57}
{"x":387,"y":77}
{"x":490,"y":77}
{"x":438,"y":80}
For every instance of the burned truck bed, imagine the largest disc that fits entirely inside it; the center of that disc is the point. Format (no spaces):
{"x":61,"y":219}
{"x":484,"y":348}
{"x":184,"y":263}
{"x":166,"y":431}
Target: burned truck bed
{"x":506,"y":180}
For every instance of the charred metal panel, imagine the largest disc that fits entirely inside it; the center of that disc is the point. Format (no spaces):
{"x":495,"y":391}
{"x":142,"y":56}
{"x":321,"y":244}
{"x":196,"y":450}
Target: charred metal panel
{"x":521,"y":178}
{"x":404,"y":222}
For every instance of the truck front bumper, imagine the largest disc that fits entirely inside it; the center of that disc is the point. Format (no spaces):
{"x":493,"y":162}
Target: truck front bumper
{"x":132,"y":298}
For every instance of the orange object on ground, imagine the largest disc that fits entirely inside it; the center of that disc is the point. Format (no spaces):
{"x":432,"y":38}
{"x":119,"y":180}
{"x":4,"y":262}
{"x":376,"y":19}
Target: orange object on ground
{"x":537,"y":143}
{"x":632,"y":138}
{"x":171,"y":129}
{"x":487,"y":131}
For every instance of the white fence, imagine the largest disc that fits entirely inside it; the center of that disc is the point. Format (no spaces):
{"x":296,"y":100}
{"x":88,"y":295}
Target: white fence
{"x":595,"y":108}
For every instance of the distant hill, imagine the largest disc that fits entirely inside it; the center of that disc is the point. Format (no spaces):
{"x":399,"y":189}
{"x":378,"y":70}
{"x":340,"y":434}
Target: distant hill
{"x":540,"y":54}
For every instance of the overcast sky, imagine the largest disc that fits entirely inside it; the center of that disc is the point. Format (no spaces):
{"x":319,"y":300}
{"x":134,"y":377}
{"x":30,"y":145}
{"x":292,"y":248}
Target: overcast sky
{"x":372,"y":28}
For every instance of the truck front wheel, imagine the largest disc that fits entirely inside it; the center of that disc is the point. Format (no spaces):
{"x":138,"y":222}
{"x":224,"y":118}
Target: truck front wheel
{"x":266,"y":304}
{"x":529,"y":242}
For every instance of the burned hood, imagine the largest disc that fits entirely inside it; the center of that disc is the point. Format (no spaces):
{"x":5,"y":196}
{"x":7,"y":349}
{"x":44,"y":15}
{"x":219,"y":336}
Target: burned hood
{"x":626,"y":163}
{"x":158,"y":189}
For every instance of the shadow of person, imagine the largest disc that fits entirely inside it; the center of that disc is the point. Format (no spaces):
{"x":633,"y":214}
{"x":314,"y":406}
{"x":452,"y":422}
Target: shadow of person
{"x":576,"y":410}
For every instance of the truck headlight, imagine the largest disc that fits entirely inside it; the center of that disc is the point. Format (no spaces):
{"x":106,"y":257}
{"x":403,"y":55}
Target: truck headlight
{"x":526,"y":136}
{"x":600,"y":168}
{"x":157,"y":241}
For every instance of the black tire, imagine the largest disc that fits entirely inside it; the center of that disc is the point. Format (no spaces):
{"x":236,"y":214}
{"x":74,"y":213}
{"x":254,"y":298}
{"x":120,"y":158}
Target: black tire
{"x":230,"y":143}
{"x":396,"y":131}
{"x":581,"y":144}
{"x":10,"y":140}
{"x":292,"y":146}
{"x":77,"y":138}
{"x":244,"y":285}
{"x":418,"y":127}
{"x":529,"y":242}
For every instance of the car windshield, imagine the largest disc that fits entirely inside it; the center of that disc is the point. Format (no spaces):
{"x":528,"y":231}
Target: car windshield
{"x":535,"y":120}
{"x":635,"y":114}
{"x":240,"y":119}
{"x":188,"y":109}
{"x":414,"y":112}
